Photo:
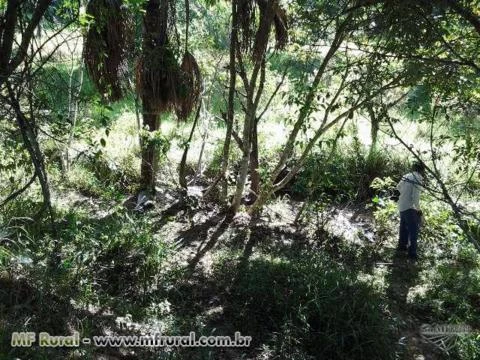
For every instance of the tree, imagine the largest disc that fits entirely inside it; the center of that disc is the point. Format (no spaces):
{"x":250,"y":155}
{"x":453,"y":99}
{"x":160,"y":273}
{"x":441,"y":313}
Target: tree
{"x":251,"y":39}
{"x":162,"y":83}
{"x":438,"y":42}
{"x":376,"y":35}
{"x":17,"y":71}
{"x":360,"y":79}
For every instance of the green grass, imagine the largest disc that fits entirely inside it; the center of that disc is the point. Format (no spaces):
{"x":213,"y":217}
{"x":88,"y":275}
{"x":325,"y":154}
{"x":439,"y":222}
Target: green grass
{"x":308,"y":306}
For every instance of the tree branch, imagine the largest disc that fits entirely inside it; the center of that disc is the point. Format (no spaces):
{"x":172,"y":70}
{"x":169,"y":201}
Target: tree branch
{"x":16,"y":193}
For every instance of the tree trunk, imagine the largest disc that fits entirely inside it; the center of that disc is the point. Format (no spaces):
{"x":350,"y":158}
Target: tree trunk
{"x":155,"y":24}
{"x":244,"y":164}
{"x":250,"y":124}
{"x":149,"y":151}
{"x":229,"y":116}
{"x":375,"y":127}
{"x":33,"y":148}
{"x":254,"y":165}
{"x":73,"y":105}
{"x":182,"y":176}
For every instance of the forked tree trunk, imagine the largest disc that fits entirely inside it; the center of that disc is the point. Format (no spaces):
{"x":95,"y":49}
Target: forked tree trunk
{"x":254,"y":89}
{"x":268,"y":188}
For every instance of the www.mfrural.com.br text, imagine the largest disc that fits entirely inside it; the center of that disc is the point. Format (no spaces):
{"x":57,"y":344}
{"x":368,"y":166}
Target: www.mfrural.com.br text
{"x":44,"y":339}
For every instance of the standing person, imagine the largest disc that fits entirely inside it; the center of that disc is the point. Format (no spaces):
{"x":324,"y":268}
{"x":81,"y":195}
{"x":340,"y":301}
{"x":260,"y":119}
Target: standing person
{"x":409,"y":207}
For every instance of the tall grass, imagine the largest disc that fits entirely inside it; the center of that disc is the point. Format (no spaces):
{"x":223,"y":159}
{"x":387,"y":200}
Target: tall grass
{"x":309,"y":307}
{"x":346,"y":175}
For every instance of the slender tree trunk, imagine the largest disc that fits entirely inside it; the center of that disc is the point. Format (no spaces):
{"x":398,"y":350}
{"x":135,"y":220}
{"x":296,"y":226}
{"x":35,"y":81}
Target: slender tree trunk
{"x":245,"y":162}
{"x":20,"y":191}
{"x":375,"y":127}
{"x":200,"y":157}
{"x":229,"y":117}
{"x":73,"y":104}
{"x":139,"y":120}
{"x":182,"y":176}
{"x":33,"y":148}
{"x":254,"y":165}
{"x":150,"y":150}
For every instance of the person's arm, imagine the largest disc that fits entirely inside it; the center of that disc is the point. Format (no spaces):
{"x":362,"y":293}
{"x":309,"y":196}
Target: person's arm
{"x":416,"y":196}
{"x":416,"y":190}
{"x":400,"y":185}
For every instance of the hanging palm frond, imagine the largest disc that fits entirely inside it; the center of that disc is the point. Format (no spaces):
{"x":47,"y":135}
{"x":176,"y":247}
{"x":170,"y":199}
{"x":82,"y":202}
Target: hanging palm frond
{"x":190,"y":87}
{"x":255,"y":31}
{"x":264,"y":27}
{"x":158,"y":72}
{"x":281,"y":26}
{"x":246,"y":20}
{"x":158,"y":76}
{"x":108,"y":42}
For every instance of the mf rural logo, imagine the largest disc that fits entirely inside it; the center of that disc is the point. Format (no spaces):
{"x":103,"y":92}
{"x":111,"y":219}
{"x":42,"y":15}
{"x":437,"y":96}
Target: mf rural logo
{"x":444,"y":336}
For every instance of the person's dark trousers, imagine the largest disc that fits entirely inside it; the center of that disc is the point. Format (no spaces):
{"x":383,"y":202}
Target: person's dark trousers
{"x":409,"y":228}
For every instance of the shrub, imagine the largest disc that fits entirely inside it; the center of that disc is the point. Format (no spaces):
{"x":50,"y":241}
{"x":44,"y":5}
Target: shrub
{"x":467,"y":348}
{"x":117,"y":256}
{"x":347,"y":173}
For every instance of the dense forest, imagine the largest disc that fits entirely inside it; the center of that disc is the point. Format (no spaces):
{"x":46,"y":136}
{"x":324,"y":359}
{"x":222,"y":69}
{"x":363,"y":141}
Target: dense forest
{"x":214,"y":168}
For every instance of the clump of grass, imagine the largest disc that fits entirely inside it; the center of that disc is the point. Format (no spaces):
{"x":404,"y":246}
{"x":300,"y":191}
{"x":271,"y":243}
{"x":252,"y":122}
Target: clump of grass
{"x":98,"y":176}
{"x":308,"y":305}
{"x":453,"y":291}
{"x":116,"y":258}
{"x":347,"y":173}
{"x":112,"y":261}
{"x":466,"y":348}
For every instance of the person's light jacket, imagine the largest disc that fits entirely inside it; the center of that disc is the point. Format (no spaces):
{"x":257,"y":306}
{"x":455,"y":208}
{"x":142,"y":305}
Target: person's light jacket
{"x":410,"y":189}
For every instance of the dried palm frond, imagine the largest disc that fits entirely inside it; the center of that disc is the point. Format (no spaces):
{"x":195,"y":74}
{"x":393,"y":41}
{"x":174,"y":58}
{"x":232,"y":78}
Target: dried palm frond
{"x":158,"y":74}
{"x":190,"y":87}
{"x":281,"y":26}
{"x":246,"y":20}
{"x":262,"y":35}
{"x":108,"y":42}
{"x":255,"y":33}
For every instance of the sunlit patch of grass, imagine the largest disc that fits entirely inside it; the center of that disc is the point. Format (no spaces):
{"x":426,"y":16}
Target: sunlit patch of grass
{"x":292,"y":306}
{"x":450,"y":290}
